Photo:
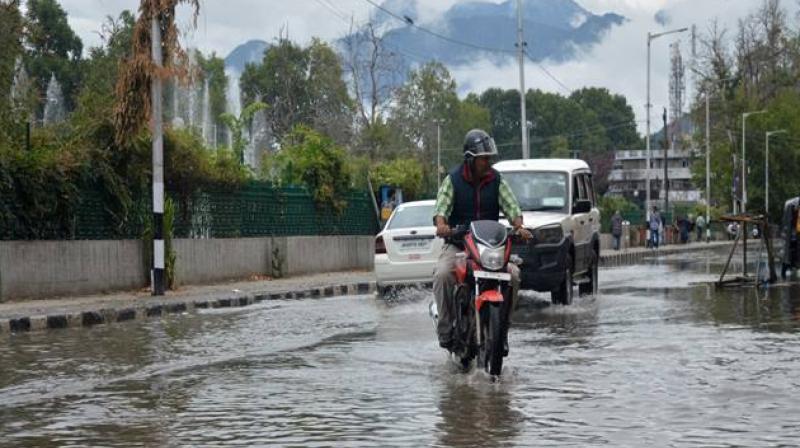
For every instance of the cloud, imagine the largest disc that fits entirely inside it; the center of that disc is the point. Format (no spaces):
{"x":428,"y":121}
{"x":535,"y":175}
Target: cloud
{"x":618,"y":63}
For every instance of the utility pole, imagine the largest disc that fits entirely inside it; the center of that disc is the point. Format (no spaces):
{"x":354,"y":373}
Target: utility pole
{"x":666,"y":164}
{"x":157,"y":274}
{"x":523,"y":121}
{"x":708,"y":170}
{"x":744,"y":157}
{"x":766,"y":170}
{"x":650,"y":38}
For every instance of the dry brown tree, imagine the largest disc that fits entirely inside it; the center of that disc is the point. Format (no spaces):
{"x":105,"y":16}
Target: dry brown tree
{"x":132,"y":109}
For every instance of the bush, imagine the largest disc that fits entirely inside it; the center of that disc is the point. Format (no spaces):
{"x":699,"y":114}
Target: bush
{"x":313,"y":160}
{"x":406,"y":173}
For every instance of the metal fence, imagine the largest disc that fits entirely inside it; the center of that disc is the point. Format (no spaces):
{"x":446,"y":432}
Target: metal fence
{"x":256,"y":209}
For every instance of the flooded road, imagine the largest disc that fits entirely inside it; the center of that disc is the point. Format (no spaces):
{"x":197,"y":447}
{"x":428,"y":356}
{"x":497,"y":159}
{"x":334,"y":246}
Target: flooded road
{"x":657,"y":358}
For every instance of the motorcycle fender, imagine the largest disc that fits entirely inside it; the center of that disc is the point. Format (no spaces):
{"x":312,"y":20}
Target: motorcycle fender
{"x":461,"y":271}
{"x":491,"y":295}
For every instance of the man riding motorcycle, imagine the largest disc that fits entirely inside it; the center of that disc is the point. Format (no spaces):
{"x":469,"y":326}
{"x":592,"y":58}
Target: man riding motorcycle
{"x":473,"y":191}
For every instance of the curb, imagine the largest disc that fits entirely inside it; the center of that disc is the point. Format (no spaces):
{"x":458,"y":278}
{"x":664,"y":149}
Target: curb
{"x":624,"y":258}
{"x":92,"y":317}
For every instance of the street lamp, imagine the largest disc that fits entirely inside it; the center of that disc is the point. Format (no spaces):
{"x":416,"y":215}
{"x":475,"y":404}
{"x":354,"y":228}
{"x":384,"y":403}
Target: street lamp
{"x":439,"y":122}
{"x":650,"y":38}
{"x":708,"y":158}
{"x":744,"y":157}
{"x":766,"y":170}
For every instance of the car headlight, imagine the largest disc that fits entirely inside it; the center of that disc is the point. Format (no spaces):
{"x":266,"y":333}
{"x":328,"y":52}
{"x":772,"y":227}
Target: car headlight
{"x":548,"y":235}
{"x":493,"y":259}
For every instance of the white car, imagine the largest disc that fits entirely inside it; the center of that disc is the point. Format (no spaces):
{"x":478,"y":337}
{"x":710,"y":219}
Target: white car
{"x":559,"y":207}
{"x":407,"y":249}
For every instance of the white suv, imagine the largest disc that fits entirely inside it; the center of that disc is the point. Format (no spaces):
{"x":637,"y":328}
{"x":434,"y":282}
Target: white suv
{"x":559,"y":206}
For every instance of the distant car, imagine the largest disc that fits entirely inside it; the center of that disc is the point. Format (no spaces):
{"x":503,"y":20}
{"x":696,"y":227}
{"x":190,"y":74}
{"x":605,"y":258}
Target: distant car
{"x":407,"y":249}
{"x":559,"y":207}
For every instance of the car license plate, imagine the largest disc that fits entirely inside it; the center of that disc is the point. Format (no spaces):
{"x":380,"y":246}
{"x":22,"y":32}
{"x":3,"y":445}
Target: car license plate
{"x":504,"y":276}
{"x":414,"y":257}
{"x":420,"y":244}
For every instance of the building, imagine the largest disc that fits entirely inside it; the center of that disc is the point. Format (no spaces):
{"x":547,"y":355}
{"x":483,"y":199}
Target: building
{"x":627,"y":176}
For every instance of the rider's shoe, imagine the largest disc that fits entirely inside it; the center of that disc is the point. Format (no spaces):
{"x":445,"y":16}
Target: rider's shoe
{"x":446,"y":343}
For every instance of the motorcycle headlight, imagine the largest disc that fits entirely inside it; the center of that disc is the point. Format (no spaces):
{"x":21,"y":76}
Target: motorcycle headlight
{"x":548,"y":235}
{"x":493,"y":259}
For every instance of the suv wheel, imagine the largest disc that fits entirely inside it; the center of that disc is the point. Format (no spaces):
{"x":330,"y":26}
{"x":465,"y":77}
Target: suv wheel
{"x":563,"y":295}
{"x":590,"y":288}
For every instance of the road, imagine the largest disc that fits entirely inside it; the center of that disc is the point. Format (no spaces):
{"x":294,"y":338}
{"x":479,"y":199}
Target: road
{"x":657,"y":358}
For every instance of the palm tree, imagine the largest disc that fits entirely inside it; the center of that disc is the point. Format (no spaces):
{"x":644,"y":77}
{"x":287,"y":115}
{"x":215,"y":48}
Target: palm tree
{"x":237,"y":125}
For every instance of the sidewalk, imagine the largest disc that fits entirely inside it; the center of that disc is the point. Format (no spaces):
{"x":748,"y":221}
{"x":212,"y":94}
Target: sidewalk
{"x":117,"y":307}
{"x":92,"y":310}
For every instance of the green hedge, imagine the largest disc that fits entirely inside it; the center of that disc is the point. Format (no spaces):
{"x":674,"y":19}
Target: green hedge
{"x":256,"y":209}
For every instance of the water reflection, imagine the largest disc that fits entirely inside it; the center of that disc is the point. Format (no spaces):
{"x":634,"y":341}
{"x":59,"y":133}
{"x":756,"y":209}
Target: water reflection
{"x":474,"y":412}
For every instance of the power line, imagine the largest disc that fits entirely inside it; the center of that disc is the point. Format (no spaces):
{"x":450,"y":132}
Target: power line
{"x":409,"y":21}
{"x":547,"y":72}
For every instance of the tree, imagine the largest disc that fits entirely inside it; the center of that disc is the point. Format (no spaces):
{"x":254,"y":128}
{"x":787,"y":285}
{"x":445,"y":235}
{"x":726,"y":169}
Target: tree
{"x":133,"y":85}
{"x":373,"y":72}
{"x":613,"y":113}
{"x":237,"y":125}
{"x":95,"y":99}
{"x":52,"y":48}
{"x":302,"y":86}
{"x":10,"y":48}
{"x":316,"y":161}
{"x":404,"y":172}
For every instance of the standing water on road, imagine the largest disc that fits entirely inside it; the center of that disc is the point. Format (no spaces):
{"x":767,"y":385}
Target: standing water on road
{"x":658,"y":358}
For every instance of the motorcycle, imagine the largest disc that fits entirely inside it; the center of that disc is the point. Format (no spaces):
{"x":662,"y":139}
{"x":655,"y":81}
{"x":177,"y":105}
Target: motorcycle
{"x":482,"y":295}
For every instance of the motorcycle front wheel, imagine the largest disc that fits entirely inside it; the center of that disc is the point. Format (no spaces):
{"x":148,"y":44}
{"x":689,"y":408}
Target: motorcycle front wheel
{"x":492,"y":350}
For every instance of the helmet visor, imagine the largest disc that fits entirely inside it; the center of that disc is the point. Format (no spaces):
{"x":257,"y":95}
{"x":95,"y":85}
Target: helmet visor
{"x":484,"y":147}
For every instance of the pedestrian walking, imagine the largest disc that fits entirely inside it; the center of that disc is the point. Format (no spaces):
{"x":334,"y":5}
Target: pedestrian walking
{"x":683,"y":228}
{"x":655,"y":226}
{"x":700,"y":225}
{"x":616,"y":228}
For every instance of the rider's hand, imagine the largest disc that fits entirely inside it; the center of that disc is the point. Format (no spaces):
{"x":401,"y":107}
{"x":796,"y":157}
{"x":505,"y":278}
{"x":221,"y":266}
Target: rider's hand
{"x":442,"y":230}
{"x":524,"y":233}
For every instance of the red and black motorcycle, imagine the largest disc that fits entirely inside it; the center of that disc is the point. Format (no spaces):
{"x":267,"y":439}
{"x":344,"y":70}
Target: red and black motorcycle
{"x":482,"y":295}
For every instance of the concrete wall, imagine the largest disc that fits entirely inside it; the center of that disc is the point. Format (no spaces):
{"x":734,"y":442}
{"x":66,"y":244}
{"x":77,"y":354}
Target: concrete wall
{"x":201,"y":261}
{"x":32,"y":269}
{"x":314,"y":254}
{"x":40,"y":269}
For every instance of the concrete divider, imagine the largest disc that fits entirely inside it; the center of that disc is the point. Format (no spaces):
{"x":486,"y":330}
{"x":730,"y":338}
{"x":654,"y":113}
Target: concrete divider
{"x":40,"y":269}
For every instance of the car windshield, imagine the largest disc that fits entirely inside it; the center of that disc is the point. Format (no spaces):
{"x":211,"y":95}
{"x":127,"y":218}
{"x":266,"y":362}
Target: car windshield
{"x":413,"y":216}
{"x":539,"y":190}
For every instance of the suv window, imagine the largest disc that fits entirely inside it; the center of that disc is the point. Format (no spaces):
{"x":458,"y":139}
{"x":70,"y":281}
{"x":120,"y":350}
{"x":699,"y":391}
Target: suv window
{"x":578,"y":188}
{"x":539,"y":190}
{"x":587,"y":180}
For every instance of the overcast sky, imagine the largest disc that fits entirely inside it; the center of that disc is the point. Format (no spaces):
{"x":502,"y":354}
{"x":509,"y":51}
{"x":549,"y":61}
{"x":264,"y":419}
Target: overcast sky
{"x":618,"y":63}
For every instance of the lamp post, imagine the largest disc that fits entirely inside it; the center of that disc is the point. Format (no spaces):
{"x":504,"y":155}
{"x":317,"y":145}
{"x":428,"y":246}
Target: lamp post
{"x":766,"y":170}
{"x":438,"y":122}
{"x":650,"y":38}
{"x":708,"y":159}
{"x":744,"y":157}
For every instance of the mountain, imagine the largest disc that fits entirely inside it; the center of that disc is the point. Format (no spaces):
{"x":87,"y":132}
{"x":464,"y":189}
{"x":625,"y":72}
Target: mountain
{"x":249,"y":52}
{"x":553,"y":29}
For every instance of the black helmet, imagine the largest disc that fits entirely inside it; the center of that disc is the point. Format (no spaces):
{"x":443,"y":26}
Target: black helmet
{"x":478,"y":143}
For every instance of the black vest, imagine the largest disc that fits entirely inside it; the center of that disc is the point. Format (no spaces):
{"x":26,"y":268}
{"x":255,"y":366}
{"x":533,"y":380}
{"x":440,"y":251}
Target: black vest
{"x":474,"y":201}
